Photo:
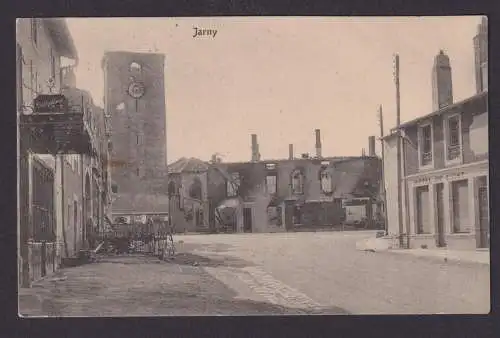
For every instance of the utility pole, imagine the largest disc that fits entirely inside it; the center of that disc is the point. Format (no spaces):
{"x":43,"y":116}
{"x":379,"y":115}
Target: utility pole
{"x":398,"y":124}
{"x":384,"y":199}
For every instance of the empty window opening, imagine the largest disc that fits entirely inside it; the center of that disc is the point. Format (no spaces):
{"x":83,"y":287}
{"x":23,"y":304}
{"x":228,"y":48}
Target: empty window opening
{"x":271,"y":184}
{"x":297,"y":182}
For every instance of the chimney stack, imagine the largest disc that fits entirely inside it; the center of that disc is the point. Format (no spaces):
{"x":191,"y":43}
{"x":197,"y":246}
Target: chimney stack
{"x":290,"y":151}
{"x":255,"y":149}
{"x":371,"y":146}
{"x":442,"y":84}
{"x":318,"y":143}
{"x":481,"y":56}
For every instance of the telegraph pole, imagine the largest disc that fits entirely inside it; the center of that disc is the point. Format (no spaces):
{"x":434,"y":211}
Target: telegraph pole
{"x":384,"y":199}
{"x":398,"y":124}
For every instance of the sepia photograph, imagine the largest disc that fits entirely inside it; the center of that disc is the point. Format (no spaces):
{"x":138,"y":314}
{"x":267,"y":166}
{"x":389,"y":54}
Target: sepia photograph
{"x":252,"y":166}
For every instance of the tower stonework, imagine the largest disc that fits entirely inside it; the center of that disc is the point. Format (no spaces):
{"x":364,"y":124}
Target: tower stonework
{"x":442,"y":85}
{"x":135,"y":99}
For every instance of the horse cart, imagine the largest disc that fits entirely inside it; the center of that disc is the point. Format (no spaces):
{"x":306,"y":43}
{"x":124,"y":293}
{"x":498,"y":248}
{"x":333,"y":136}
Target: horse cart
{"x":150,"y":236}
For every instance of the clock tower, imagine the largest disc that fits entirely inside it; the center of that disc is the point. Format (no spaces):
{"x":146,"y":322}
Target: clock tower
{"x":135,"y":101}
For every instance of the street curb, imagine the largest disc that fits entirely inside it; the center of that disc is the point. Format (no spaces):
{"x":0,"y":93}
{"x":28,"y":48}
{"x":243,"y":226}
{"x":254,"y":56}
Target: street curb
{"x":436,"y":259}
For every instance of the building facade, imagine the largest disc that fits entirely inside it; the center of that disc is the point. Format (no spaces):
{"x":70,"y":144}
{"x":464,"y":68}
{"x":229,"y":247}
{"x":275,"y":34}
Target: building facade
{"x":86,"y":188}
{"x":289,"y":195}
{"x":60,"y":138}
{"x":135,"y":102}
{"x":273,"y":195}
{"x":188,"y":194}
{"x":445,"y":169}
{"x":44,"y":46}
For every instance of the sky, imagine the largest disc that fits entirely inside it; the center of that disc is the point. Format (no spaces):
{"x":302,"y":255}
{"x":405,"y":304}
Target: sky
{"x":281,"y":78}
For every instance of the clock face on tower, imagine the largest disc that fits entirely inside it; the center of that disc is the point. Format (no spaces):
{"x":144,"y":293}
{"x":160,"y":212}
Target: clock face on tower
{"x":136,"y":90}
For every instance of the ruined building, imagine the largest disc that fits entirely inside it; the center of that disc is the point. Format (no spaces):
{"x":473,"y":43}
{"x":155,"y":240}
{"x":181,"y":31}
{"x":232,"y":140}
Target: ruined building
{"x":279,"y":195}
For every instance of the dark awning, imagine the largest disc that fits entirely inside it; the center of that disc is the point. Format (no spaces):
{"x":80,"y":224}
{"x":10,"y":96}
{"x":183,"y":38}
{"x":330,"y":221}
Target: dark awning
{"x":61,"y":36}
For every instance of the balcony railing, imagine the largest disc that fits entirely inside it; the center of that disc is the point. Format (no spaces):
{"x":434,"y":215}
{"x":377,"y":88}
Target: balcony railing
{"x":426,"y":158}
{"x":56,"y":126}
{"x":453,"y":152}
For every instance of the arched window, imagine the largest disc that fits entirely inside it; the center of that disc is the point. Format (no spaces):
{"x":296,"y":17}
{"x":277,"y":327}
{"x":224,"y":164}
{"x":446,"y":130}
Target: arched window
{"x":195,"y":189}
{"x":135,"y":67}
{"x":297,"y":182}
{"x":326,"y":182}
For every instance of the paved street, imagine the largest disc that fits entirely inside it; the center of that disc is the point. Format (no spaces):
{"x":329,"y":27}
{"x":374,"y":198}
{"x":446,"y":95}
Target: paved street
{"x":138,"y":286}
{"x":325,"y":269}
{"x":289,"y":273}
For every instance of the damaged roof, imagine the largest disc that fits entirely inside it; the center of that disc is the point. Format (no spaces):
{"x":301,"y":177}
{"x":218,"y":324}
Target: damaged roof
{"x":184,"y":164}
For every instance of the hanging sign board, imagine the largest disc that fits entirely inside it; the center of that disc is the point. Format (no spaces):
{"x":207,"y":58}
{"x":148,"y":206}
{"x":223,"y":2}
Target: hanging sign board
{"x":55,"y":103}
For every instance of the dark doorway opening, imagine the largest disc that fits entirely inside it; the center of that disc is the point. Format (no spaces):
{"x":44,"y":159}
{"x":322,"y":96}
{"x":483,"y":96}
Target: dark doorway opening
{"x":247,"y":219}
{"x":440,"y":240}
{"x":75,"y":226}
{"x":484,"y":213}
{"x":87,"y":208}
{"x":297,"y":215}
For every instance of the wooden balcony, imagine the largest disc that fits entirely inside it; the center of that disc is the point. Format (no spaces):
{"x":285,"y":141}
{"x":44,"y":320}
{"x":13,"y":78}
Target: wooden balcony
{"x":56,"y":128}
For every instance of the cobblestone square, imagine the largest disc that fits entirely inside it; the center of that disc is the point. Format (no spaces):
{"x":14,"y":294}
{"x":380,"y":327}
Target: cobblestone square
{"x":263,"y":274}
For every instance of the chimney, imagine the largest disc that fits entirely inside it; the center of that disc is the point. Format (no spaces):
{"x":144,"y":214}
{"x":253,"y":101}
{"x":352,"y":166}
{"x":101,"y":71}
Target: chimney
{"x":481,"y":56}
{"x":442,"y":86}
{"x":255,"y":149}
{"x":290,"y":151}
{"x":318,"y":143}
{"x":371,"y":146}
{"x":363,"y":153}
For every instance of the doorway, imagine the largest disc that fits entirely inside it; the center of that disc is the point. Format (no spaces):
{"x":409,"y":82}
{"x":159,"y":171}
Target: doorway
{"x":422,"y":217}
{"x":297,"y":215}
{"x":484,"y":213}
{"x":88,"y":208}
{"x":247,"y":219}
{"x":460,"y":206}
{"x":440,"y":240}
{"x":75,"y":226}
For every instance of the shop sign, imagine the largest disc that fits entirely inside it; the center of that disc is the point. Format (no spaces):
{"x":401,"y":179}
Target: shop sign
{"x":55,"y":103}
{"x":423,"y":180}
{"x":455,"y":175}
